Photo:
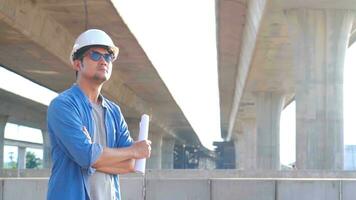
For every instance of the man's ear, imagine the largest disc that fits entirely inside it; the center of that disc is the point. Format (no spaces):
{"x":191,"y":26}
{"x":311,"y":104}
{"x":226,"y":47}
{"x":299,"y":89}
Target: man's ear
{"x":77,"y":64}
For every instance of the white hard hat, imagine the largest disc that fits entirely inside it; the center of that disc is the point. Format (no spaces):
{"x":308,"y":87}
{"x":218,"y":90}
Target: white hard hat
{"x":94,"y":37}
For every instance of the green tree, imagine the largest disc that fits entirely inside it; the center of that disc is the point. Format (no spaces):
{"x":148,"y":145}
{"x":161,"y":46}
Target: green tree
{"x":31,"y":161}
{"x":12,"y":164}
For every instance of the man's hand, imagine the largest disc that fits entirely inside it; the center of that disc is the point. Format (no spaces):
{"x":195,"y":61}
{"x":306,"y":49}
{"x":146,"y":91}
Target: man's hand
{"x":141,"y":149}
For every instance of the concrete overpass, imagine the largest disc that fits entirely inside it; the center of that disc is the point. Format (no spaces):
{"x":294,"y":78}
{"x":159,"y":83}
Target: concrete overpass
{"x":19,"y":110}
{"x":257,"y":72}
{"x":36,"y":38}
{"x":272,"y":52}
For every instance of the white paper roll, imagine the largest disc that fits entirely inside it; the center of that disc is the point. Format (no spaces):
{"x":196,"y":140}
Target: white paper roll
{"x":140,"y":164}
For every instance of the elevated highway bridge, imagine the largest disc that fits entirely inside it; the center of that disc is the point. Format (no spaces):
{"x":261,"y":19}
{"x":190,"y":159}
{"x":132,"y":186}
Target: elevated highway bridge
{"x":270,"y":53}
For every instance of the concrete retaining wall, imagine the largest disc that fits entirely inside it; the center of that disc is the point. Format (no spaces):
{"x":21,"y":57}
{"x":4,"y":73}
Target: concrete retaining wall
{"x":180,"y":185}
{"x":229,"y":189}
{"x":21,"y":188}
{"x":177,"y":189}
{"x":309,"y":189}
{"x":132,"y":188}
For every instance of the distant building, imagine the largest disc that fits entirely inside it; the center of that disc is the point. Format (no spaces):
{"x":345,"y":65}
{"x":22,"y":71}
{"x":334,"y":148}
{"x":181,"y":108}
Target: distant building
{"x":350,"y":157}
{"x":193,"y":157}
{"x":225,"y":155}
{"x":185,"y":157}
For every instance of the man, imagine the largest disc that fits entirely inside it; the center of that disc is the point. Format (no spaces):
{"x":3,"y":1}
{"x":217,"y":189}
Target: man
{"x":90,"y":141}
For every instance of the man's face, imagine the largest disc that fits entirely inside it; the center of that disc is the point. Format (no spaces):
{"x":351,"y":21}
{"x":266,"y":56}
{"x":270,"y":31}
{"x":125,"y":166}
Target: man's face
{"x":100,"y":70}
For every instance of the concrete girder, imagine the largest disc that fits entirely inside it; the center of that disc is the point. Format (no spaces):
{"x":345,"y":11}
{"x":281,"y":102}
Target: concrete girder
{"x":255,"y":12}
{"x":22,"y":111}
{"x":35,"y":24}
{"x":37,"y":28}
{"x":230,"y":22}
{"x":23,"y":144}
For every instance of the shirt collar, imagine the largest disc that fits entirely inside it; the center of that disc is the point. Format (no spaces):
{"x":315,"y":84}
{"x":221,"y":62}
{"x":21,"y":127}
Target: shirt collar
{"x":104,"y":102}
{"x":79,"y":91}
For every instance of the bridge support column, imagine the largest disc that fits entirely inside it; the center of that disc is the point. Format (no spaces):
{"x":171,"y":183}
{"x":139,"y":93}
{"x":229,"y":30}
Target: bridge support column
{"x":154,"y":162}
{"x":246,"y":146}
{"x":268,"y":111}
{"x":21,"y":159}
{"x":167,"y":152}
{"x":3,"y":121}
{"x":46,"y":150}
{"x":320,"y":39}
{"x":237,"y":145}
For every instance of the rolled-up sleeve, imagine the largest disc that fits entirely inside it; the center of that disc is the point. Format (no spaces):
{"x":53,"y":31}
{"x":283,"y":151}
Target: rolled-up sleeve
{"x":66,"y":126}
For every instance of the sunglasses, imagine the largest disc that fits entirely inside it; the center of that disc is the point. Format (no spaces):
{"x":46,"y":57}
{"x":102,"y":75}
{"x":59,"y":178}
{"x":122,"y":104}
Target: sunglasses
{"x":96,"y":56}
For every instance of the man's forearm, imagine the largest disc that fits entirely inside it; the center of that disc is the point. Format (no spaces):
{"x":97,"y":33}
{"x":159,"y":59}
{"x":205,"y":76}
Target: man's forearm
{"x":113,"y":157}
{"x":122,"y":167}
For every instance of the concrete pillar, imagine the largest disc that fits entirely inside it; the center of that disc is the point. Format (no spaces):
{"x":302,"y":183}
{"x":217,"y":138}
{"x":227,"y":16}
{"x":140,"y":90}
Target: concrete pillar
{"x":246,"y":145}
{"x":46,"y":149}
{"x":168,"y":152}
{"x":154,"y":162}
{"x":320,"y":39}
{"x":3,"y":121}
{"x":21,"y":159}
{"x":237,"y":150}
{"x":268,"y":111}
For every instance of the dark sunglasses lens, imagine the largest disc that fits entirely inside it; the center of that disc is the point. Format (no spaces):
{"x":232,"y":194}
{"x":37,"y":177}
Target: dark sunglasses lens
{"x":95,"y":56}
{"x":107,"y":57}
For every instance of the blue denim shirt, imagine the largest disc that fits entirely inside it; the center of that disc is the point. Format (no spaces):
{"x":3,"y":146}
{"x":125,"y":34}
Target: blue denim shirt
{"x":72,"y":151}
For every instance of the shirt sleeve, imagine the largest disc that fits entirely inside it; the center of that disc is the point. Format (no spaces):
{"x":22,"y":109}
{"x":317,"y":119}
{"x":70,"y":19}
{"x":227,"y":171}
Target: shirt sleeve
{"x":65,"y":124}
{"x":125,"y":139}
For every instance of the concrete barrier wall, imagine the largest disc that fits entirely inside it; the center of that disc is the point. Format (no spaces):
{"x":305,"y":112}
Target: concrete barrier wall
{"x":230,"y":189}
{"x":20,"y":188}
{"x":132,"y":188}
{"x":348,"y":189}
{"x":172,"y":185}
{"x":308,"y":189}
{"x":1,"y":189}
{"x":177,"y":189}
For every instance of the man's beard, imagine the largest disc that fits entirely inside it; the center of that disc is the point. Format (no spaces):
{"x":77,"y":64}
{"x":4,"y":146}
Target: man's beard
{"x":99,"y":78}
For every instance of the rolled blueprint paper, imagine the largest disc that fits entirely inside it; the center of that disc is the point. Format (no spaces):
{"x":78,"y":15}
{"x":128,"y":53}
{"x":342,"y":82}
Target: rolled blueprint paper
{"x":140,"y":164}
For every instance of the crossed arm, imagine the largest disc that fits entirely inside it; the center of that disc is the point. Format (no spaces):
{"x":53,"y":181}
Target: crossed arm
{"x":122,"y":160}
